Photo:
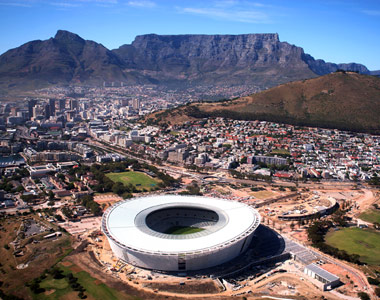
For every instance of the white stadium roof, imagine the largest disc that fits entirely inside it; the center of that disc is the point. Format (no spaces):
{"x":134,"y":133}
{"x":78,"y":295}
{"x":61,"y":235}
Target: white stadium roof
{"x":123,"y":223}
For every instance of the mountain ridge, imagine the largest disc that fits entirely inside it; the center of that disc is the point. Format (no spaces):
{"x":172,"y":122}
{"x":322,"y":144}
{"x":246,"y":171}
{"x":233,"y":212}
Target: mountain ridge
{"x":261,"y":60}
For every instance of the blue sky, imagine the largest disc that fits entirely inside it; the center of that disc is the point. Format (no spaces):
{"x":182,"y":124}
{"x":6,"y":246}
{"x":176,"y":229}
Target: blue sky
{"x":339,"y":31}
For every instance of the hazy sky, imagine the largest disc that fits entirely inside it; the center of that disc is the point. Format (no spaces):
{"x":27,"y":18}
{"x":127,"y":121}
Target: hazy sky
{"x":338,"y":31}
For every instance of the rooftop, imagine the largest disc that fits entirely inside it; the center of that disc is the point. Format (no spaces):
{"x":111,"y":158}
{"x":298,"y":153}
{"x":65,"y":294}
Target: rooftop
{"x":123,"y":221}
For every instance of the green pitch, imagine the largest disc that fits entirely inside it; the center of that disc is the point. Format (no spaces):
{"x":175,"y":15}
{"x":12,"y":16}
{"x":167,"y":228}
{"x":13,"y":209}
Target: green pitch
{"x":183,"y":230}
{"x":138,"y":179}
{"x":363,"y":242}
{"x":371,"y":215}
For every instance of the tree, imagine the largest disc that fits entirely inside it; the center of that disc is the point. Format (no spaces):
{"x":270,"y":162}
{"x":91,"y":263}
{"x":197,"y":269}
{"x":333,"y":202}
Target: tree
{"x":292,"y":226}
{"x":193,"y":189}
{"x":373,"y":281}
{"x":377,"y":291}
{"x":118,"y":188}
{"x":19,"y":189}
{"x":234,"y":165}
{"x":57,"y":273}
{"x":61,"y":176}
{"x":364,"y":296}
{"x":59,"y":218}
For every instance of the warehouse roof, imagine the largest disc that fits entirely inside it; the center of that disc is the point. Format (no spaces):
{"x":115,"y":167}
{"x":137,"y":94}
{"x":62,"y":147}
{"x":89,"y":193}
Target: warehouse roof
{"x":322,"y":273}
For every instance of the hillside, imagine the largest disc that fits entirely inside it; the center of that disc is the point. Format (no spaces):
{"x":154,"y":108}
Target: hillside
{"x":347,"y":101}
{"x":259,"y":60}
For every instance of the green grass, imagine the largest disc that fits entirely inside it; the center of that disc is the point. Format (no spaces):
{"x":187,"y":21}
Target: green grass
{"x":138,"y":179}
{"x":370,"y":215}
{"x":62,"y":289}
{"x":363,"y":242}
{"x":281,"y":152}
{"x":183,"y":230}
{"x":174,"y":133}
{"x":52,"y":283}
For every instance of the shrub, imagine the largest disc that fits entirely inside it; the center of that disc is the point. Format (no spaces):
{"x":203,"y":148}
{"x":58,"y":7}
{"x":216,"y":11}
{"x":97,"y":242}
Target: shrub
{"x":377,"y":291}
{"x":373,"y":281}
{"x":364,"y":296}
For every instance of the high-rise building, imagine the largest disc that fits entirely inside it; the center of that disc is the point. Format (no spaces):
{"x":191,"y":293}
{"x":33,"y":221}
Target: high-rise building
{"x":14,"y":111}
{"x":52,"y":107}
{"x":136,"y":104}
{"x":84,"y":106}
{"x":62,"y":104}
{"x":74,"y":104}
{"x":7,"y":108}
{"x":47,"y":111}
{"x":31,"y":104}
{"x":38,"y":111}
{"x":124,"y":102}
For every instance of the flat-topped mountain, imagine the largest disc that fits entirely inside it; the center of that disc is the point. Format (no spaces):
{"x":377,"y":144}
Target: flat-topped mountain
{"x":261,"y":60}
{"x":343,"y":100}
{"x":228,"y":59}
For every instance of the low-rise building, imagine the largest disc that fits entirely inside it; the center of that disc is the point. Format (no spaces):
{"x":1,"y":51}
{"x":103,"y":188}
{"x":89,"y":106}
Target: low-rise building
{"x":328,"y":280}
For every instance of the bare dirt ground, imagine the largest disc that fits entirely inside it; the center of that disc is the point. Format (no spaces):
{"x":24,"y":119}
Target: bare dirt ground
{"x":105,"y":198}
{"x":203,"y":287}
{"x":84,"y":225}
{"x":187,"y":180}
{"x":366,"y":200}
{"x":349,"y":281}
{"x":291,"y":285}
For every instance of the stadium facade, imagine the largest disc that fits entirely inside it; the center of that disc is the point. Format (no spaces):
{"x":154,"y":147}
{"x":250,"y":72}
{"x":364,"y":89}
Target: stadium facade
{"x":138,"y":231}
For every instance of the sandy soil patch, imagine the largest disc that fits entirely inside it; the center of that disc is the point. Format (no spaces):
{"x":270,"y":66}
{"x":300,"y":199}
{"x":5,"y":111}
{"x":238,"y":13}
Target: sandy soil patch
{"x":97,"y":282}
{"x":84,"y":225}
{"x":187,"y":180}
{"x":262,"y":194}
{"x":203,"y":287}
{"x":49,"y":292}
{"x":75,"y":269}
{"x":104,"y":198}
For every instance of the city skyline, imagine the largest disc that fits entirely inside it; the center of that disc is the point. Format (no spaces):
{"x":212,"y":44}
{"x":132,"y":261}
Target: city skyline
{"x":335,"y":31}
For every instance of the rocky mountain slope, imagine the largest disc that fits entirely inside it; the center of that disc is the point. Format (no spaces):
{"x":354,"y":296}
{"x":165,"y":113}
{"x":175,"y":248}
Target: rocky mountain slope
{"x":343,"y":100}
{"x":237,"y":59}
{"x":261,"y":60}
{"x":64,"y":59}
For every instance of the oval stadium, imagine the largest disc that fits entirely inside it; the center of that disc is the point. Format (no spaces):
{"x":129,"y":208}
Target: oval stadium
{"x":179,"y":233}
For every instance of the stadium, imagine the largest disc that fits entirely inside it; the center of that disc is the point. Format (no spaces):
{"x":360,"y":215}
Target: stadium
{"x":179,"y":233}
